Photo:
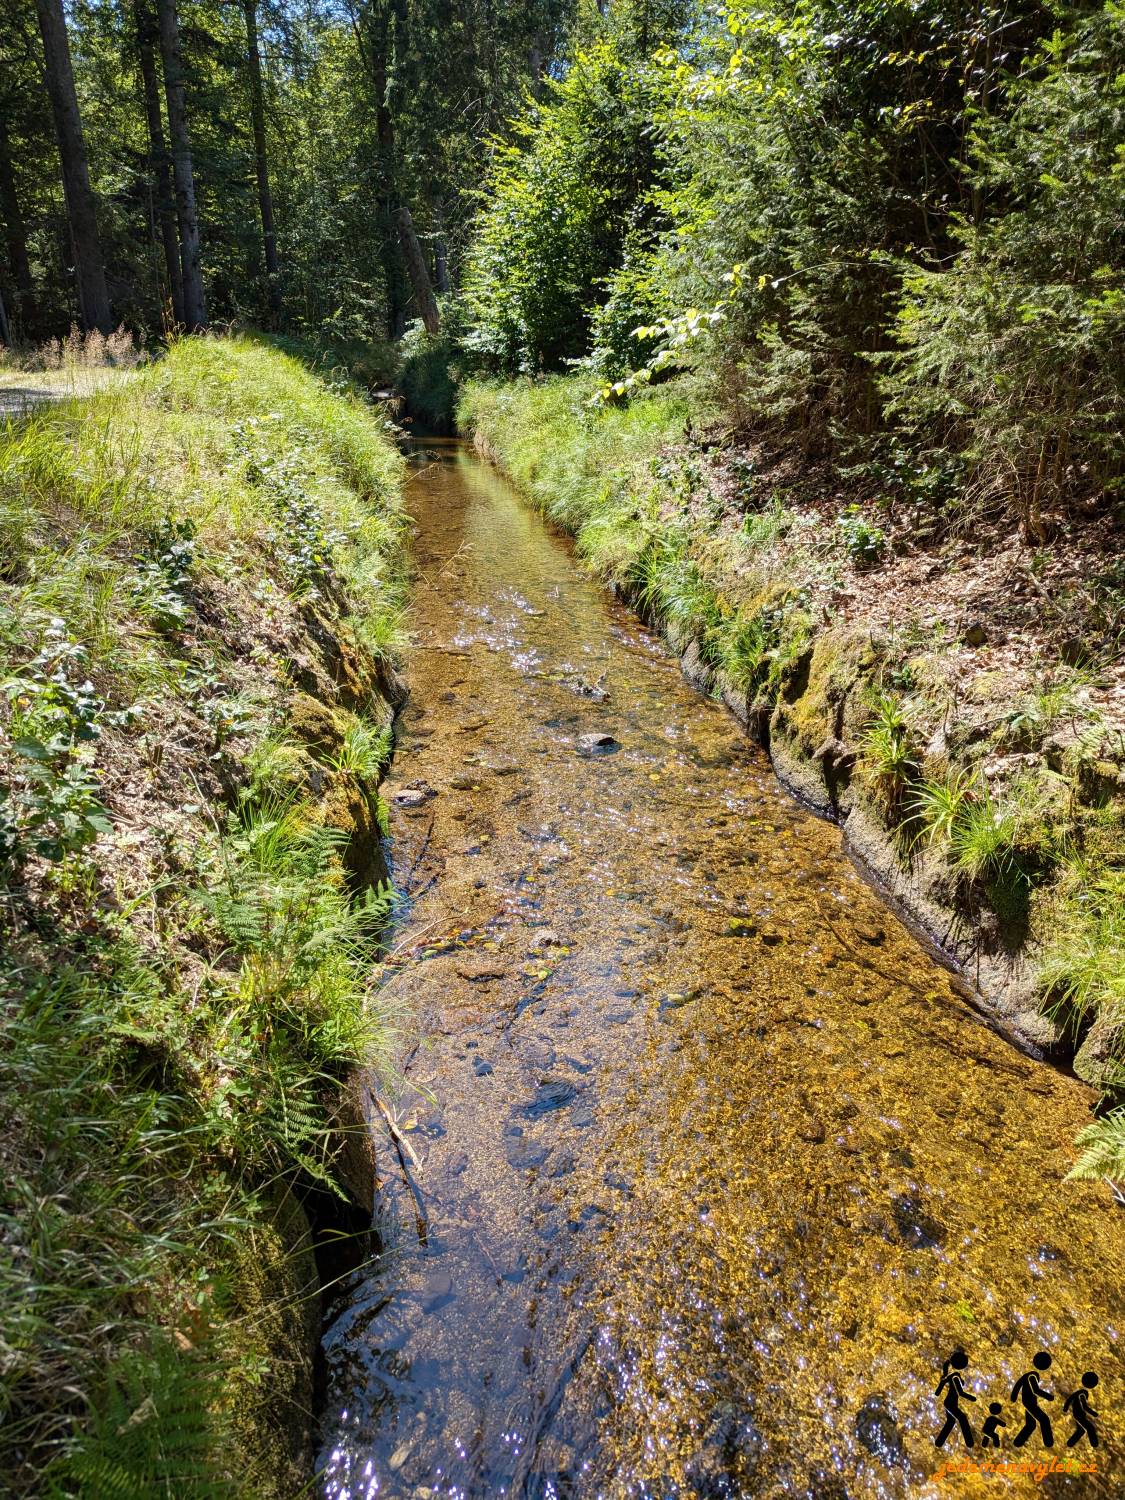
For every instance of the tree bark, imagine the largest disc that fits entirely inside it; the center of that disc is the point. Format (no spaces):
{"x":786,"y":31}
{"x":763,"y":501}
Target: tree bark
{"x":416,"y":268}
{"x":93,"y":294}
{"x":265,"y":198}
{"x":5,"y":329}
{"x":158,"y":158}
{"x":372,"y":34}
{"x":441,"y":253}
{"x":25,"y":312}
{"x":191,"y":265}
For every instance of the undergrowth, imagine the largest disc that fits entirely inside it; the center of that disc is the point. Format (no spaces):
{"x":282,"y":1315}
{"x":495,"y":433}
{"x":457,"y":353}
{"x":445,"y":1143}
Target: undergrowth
{"x":186,"y":939}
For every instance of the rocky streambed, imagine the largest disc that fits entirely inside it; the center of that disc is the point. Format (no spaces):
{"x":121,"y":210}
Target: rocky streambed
{"x":703,"y":1165}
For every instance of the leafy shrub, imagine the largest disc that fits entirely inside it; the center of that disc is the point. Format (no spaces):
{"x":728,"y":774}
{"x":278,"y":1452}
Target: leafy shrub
{"x":558,"y":205}
{"x":865,"y":543}
{"x":49,"y":803}
{"x":1014,"y":353}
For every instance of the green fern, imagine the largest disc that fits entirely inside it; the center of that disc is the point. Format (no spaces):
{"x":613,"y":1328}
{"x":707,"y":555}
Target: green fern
{"x":1103,"y":1149}
{"x":155,"y":1432}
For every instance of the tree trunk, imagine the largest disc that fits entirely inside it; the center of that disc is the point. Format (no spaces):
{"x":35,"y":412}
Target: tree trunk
{"x":441,"y":254}
{"x":5,"y":330}
{"x":191,"y":267}
{"x":265,"y":198}
{"x":25,"y":312}
{"x":373,"y":40}
{"x":158,"y":159}
{"x":416,"y":267}
{"x":93,"y":295}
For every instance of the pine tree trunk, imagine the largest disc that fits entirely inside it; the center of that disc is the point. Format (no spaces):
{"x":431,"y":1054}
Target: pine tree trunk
{"x":158,"y":158}
{"x":265,"y":198}
{"x":373,"y":40}
{"x":191,"y":266}
{"x":441,"y":253}
{"x":416,"y":267}
{"x":25,"y":312}
{"x":93,"y":295}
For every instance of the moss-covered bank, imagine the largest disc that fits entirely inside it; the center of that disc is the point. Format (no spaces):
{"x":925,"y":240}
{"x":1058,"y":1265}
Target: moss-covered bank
{"x":914,"y":686}
{"x":199,"y":592}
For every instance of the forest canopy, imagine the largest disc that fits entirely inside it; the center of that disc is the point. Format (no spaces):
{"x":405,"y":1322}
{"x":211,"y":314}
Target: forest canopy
{"x":887,"y":232}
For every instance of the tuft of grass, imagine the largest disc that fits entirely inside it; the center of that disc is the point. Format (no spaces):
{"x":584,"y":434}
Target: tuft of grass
{"x":1082,"y":970}
{"x":982,"y":838}
{"x":889,"y":759}
{"x":939,"y":802}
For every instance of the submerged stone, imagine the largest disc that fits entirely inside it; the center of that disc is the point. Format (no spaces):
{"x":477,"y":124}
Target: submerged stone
{"x":876,"y":1427}
{"x":552,"y":1094}
{"x":915,"y":1227}
{"x":727,"y":1455}
{"x":523,"y":1154}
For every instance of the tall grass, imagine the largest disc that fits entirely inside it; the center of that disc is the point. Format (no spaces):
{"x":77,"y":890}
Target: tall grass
{"x":183,"y":974}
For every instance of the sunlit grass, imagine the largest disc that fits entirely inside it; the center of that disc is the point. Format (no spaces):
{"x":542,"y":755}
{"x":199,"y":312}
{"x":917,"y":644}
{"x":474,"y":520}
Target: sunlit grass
{"x":169,"y":1063}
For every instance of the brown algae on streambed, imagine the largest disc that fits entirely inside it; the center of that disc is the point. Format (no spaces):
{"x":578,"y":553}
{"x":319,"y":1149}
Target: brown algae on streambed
{"x":716,"y":1165}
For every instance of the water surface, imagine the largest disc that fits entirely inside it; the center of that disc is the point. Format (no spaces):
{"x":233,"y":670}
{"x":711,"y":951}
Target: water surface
{"x":709,"y":1165}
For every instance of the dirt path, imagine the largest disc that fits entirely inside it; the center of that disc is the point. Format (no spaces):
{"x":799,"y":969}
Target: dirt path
{"x":22,"y":392}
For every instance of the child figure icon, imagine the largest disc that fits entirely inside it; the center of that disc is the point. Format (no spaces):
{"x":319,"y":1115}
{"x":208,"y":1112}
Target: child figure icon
{"x":989,"y":1433}
{"x":1078,"y":1405}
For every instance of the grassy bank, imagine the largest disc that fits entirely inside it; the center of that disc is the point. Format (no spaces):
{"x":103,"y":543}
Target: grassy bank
{"x":955,"y":698}
{"x":198,"y":598}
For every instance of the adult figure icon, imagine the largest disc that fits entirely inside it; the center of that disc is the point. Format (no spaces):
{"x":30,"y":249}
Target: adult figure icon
{"x":1028,"y":1391}
{"x":955,"y":1392}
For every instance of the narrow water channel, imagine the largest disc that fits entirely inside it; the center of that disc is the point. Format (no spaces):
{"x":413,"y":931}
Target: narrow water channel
{"x":709,"y":1164}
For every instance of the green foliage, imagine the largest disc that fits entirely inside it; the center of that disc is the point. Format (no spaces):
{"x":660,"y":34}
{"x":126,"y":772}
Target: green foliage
{"x":184,"y":988}
{"x":428,"y":372}
{"x":1013,"y":352}
{"x":558,"y":204}
{"x":890,"y":760}
{"x":150,"y":1433}
{"x":865,"y":542}
{"x":939,"y":803}
{"x":982,"y":839}
{"x":1082,"y":972}
{"x":1103,"y":1149}
{"x":361,"y":109}
{"x":49,"y":802}
{"x":163,"y":572}
{"x":364,"y":752}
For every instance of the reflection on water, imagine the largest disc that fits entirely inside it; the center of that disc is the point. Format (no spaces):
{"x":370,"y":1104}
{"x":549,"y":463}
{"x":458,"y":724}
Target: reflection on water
{"x":717,"y":1166}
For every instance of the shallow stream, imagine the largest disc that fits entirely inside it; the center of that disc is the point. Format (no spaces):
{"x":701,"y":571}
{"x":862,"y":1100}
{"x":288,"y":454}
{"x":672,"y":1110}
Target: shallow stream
{"x":707,"y":1164}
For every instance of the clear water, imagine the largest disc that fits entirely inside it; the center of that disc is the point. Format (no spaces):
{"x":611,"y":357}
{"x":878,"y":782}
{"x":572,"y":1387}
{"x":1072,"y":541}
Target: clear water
{"x":715,"y":1164}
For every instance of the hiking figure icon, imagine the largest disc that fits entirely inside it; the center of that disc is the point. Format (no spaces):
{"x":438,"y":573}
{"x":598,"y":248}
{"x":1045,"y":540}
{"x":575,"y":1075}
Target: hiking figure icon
{"x":954,"y":1389}
{"x":989,"y":1436}
{"x":1078,"y":1405}
{"x":1028,"y":1390}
